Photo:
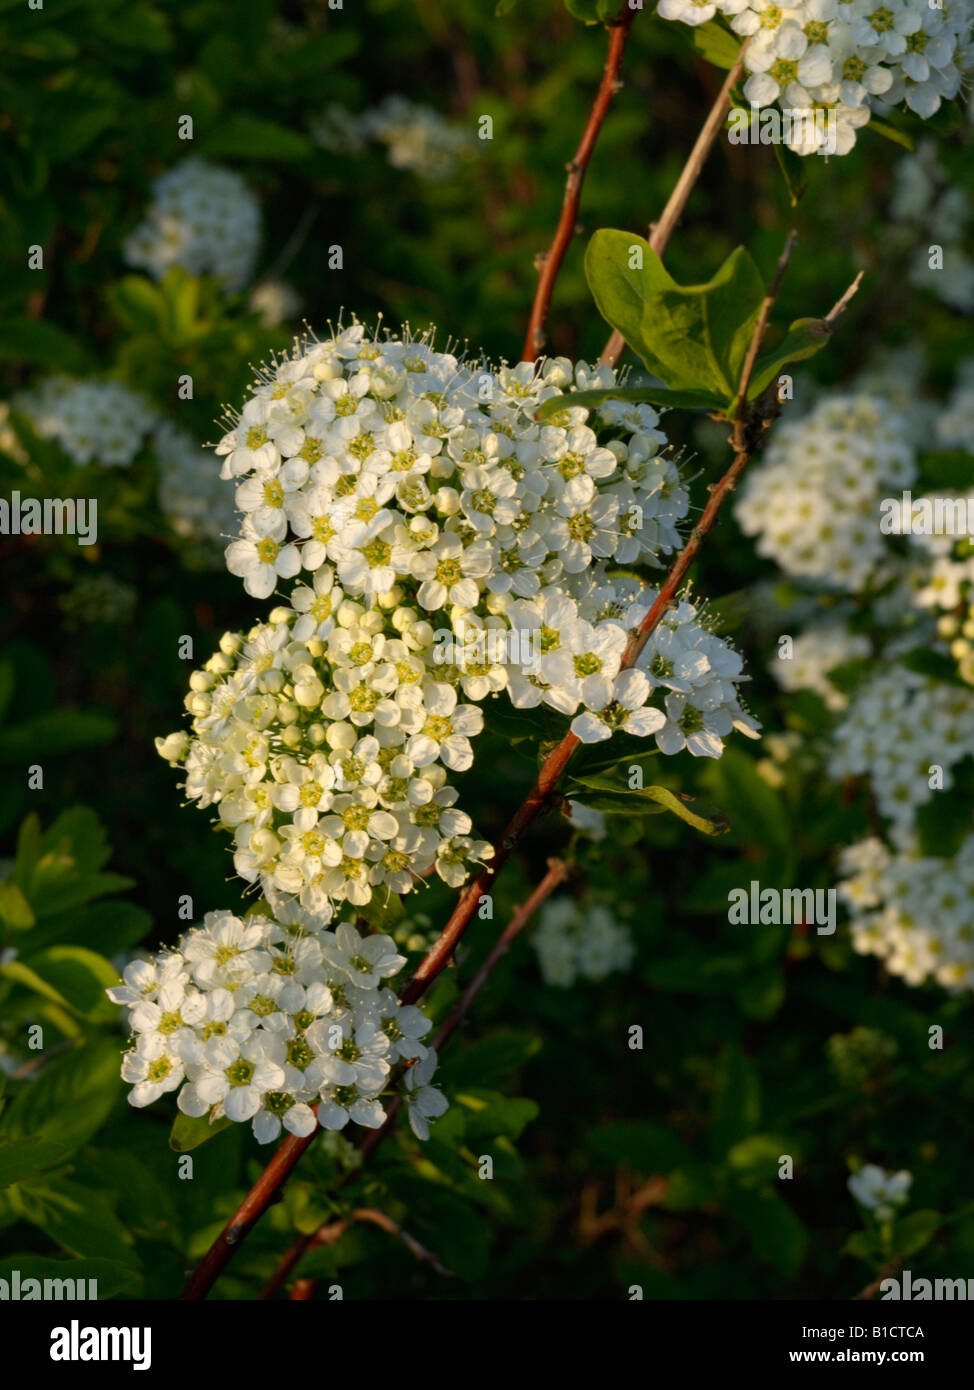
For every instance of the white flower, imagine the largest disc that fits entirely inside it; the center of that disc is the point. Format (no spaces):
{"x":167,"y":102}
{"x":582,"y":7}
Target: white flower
{"x":423,"y":1101}
{"x":364,"y":960}
{"x":880,"y":1191}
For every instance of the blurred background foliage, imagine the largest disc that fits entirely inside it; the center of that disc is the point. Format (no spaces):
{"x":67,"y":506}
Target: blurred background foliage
{"x":615,"y":1166}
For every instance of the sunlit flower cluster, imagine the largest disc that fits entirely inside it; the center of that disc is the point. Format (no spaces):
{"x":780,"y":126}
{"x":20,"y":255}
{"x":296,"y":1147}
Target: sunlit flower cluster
{"x":813,"y":502}
{"x":203,"y":218}
{"x":844,"y":56}
{"x":447,"y":548}
{"x":273,"y":1022}
{"x":915,"y":912}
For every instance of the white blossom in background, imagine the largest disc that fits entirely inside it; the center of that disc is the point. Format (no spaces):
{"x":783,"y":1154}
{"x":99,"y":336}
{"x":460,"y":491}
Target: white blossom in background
{"x":815,"y":652}
{"x":576,"y":940}
{"x":813,"y":500}
{"x":880,"y":1191}
{"x":338,"y":130}
{"x":203,"y":218}
{"x":416,"y":137}
{"x":846,"y":56}
{"x":393,"y":495}
{"x":913,"y":911}
{"x":100,"y":422}
{"x":928,"y":209}
{"x":194,"y":499}
{"x":275,"y":301}
{"x":264,"y":1020}
{"x":898,"y":725}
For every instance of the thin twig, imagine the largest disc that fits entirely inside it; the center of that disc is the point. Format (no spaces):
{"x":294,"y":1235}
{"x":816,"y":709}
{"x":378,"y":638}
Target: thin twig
{"x":841,"y":303}
{"x":549,"y":262}
{"x":757,"y":338}
{"x":557,"y":872}
{"x":661,"y":231}
{"x":386,"y":1223}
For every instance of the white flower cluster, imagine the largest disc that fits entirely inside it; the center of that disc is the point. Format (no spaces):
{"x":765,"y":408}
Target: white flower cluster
{"x":271,"y":1022}
{"x":898,"y":727}
{"x":433,"y":521}
{"x":203,"y":218}
{"x":912,"y":911}
{"x":843,"y":55}
{"x":98,"y":422}
{"x":880,"y":1191}
{"x":416,"y":137}
{"x":191,"y":493}
{"x":576,"y":940}
{"x":327,"y":757}
{"x":932,"y":211}
{"x":815,"y":652}
{"x":813,"y":502}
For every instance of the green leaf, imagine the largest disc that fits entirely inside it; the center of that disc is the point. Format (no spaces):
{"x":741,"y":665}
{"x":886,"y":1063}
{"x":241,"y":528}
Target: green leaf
{"x":934,"y":664}
{"x":613,"y":795}
{"x":775,"y":1233}
{"x":792,"y":169}
{"x":491,"y":1114}
{"x":693,"y":337}
{"x":890,"y":132}
{"x":911,"y":1233}
{"x":804,"y":338}
{"x":42,"y":345}
{"x":648,"y":1147}
{"x":15,"y":910}
{"x":382,"y":914}
{"x":944,"y":822}
{"x":593,"y":11}
{"x":848,"y":676}
{"x":713,"y":42}
{"x":504,"y":7}
{"x":70,"y":1099}
{"x":949,"y":468}
{"x":189,"y":1132}
{"x":756,"y":1158}
{"x":138,"y":303}
{"x":650,"y":395}
{"x":736,"y":1108}
{"x":107,"y":927}
{"x":79,"y":976}
{"x":79,"y":1220}
{"x":57,"y":731}
{"x":22,"y":1158}
{"x":242,"y":136}
{"x":490,"y":1060}
{"x":757,"y":811}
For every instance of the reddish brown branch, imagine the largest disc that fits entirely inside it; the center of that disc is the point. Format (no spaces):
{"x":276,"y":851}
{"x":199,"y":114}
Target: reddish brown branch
{"x":549,"y":262}
{"x":251,"y":1209}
